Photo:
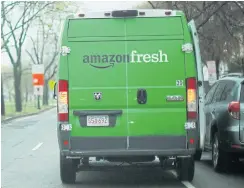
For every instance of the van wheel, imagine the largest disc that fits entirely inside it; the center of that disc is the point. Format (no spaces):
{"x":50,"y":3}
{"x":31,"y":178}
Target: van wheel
{"x":68,"y":169}
{"x":198,"y":155}
{"x":185,"y":169}
{"x":220,"y":159}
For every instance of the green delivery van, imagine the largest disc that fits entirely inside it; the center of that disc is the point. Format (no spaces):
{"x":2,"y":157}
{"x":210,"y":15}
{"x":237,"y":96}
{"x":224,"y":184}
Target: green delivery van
{"x":128,"y":92}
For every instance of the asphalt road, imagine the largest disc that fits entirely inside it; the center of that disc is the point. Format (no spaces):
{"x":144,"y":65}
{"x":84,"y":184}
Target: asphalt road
{"x":30,"y":160}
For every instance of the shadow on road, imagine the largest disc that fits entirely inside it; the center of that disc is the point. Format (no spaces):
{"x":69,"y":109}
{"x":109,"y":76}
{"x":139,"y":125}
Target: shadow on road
{"x":135,"y":178}
{"x":236,"y":169}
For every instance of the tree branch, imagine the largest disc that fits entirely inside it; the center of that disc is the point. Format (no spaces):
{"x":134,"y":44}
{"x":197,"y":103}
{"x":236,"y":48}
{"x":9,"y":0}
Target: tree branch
{"x":32,"y":59}
{"x":31,"y":18}
{"x":150,"y":2}
{"x":210,"y":15}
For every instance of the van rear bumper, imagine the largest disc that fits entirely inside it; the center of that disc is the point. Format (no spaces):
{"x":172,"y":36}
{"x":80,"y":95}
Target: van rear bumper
{"x":105,"y":153}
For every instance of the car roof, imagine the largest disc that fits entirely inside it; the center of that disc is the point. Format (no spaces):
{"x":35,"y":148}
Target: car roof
{"x":237,"y":79}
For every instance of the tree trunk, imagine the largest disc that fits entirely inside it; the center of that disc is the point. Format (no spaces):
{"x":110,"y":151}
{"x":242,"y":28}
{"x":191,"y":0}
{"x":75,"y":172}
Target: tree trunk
{"x":2,"y":100}
{"x":17,"y":89}
{"x":45,"y":93}
{"x":38,"y":102}
{"x":26,"y":94}
{"x":242,"y":65}
{"x":217,"y":61}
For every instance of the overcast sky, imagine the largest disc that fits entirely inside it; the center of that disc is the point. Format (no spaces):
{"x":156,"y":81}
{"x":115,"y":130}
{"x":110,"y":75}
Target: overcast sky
{"x":87,"y":6}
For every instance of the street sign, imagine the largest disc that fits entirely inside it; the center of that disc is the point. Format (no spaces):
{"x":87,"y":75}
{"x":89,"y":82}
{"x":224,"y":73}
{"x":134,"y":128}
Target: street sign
{"x":51,"y":84}
{"x":38,"y":79}
{"x":38,"y":90}
{"x":212,"y":75}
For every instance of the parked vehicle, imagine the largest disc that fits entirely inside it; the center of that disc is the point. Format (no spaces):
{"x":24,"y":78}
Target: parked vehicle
{"x":224,"y":109}
{"x":128,"y":90}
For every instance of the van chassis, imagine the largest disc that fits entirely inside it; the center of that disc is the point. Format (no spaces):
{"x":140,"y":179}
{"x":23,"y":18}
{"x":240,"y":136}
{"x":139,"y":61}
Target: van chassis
{"x":101,"y":164}
{"x":184,"y":165}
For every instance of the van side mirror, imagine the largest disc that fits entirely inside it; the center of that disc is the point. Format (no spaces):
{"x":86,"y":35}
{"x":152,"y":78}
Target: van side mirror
{"x":55,"y":91}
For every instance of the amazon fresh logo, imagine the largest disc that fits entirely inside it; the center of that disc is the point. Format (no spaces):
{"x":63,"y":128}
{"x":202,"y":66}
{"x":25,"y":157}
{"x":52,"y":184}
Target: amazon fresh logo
{"x":109,"y":60}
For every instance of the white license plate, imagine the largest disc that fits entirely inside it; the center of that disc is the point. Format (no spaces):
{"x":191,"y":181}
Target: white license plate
{"x":97,"y":120}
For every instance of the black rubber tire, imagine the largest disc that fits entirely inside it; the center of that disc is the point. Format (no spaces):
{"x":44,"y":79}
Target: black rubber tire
{"x":185,"y":169}
{"x":68,"y":169}
{"x":198,"y":155}
{"x":223,"y":161}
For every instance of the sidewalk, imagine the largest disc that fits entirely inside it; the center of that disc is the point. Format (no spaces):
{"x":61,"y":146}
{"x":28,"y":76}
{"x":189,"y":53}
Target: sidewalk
{"x":10,"y":118}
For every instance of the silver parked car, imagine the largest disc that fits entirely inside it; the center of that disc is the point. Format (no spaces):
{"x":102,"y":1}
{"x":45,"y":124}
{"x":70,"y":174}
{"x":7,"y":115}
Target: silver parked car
{"x":224,"y":110}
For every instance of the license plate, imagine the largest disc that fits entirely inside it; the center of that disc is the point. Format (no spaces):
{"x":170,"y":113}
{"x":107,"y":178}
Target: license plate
{"x":97,"y":120}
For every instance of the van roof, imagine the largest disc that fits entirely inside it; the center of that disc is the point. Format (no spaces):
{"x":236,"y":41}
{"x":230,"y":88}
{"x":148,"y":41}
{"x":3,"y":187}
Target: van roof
{"x":130,"y":13}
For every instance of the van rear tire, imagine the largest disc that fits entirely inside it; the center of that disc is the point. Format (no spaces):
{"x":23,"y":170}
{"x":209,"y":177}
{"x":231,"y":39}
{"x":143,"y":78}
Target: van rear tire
{"x":185,"y":169}
{"x":68,"y":169}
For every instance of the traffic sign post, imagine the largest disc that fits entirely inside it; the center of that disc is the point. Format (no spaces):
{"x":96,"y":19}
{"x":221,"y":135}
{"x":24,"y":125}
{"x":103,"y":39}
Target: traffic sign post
{"x":38,"y":79}
{"x":212,"y":75}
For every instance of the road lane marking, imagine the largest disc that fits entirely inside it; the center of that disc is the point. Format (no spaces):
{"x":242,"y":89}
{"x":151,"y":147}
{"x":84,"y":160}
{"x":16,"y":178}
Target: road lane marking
{"x":37,"y":146}
{"x":185,"y":183}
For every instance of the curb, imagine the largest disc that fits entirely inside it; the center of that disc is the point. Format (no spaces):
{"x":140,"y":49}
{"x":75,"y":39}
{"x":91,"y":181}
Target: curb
{"x":26,"y":115}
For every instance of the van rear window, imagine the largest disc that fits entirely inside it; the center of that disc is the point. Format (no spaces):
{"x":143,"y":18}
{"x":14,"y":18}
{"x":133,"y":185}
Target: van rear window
{"x":164,"y":26}
{"x":96,"y":28}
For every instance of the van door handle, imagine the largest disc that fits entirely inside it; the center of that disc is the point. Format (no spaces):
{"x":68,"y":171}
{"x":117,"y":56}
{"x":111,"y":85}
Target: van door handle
{"x":141,"y":96}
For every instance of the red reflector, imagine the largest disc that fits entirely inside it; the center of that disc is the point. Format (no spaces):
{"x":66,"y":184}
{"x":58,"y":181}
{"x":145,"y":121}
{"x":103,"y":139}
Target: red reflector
{"x":191,"y":141}
{"x":191,"y":83}
{"x":66,"y":142}
{"x":63,"y":117}
{"x":192,"y":115}
{"x":63,"y":85}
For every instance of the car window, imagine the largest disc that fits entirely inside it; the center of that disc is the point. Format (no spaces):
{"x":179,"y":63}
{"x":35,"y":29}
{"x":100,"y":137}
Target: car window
{"x":219,"y":91}
{"x":228,"y":94}
{"x":242,"y":94}
{"x":210,"y":94}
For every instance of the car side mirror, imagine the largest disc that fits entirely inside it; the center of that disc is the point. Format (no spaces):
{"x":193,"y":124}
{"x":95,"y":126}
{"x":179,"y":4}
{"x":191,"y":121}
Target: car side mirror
{"x":55,"y":91}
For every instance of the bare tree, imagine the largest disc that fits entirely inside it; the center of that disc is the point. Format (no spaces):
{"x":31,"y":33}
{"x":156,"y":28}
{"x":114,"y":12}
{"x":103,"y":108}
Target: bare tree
{"x":2,"y":100}
{"x":219,"y":24}
{"x":45,"y":51}
{"x":17,"y":34}
{"x":45,"y":47}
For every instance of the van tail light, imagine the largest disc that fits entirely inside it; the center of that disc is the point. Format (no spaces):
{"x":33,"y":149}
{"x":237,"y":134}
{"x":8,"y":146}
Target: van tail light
{"x":191,"y":98}
{"x":63,"y":102}
{"x":234,"y":109}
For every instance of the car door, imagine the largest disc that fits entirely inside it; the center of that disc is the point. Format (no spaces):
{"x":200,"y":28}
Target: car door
{"x":227,"y":96}
{"x":216,"y":107}
{"x":207,"y":110}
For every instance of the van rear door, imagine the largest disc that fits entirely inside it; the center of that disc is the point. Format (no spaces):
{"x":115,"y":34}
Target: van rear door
{"x":242,"y":113}
{"x":157,"y":73}
{"x":97,"y":87}
{"x":200,"y":78}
